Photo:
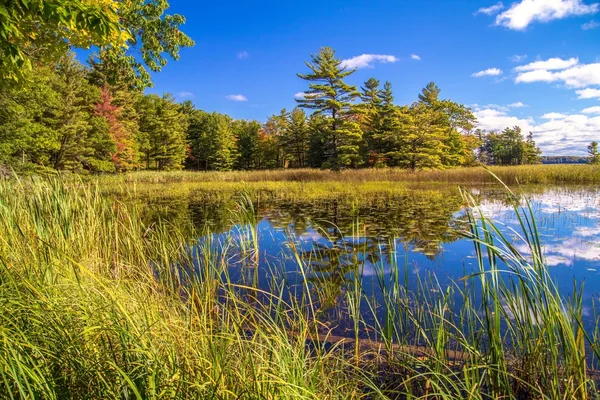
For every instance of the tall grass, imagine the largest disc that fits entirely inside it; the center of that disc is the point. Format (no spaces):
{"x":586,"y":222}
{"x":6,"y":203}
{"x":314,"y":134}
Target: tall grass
{"x":95,"y":304}
{"x":522,"y":174}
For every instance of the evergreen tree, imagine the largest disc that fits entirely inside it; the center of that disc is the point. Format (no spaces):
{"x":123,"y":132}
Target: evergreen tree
{"x":211,"y":141}
{"x":430,"y":95}
{"x":83,"y":139}
{"x":275,"y":128}
{"x":531,"y":153}
{"x":386,"y":127}
{"x":295,"y":137}
{"x":594,"y":153}
{"x":163,"y":127}
{"x":246,"y":134}
{"x":330,"y":96}
{"x":419,"y":142}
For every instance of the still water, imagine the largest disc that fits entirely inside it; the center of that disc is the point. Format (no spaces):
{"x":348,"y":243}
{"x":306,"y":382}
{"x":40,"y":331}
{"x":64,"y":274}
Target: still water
{"x":415,"y":236}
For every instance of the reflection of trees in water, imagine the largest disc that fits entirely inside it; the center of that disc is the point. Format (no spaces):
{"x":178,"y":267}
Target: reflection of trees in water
{"x":357,"y":234}
{"x":356,"y":237}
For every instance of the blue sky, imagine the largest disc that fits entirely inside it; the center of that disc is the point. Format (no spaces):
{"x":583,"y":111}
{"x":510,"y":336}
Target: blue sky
{"x":532,"y":63}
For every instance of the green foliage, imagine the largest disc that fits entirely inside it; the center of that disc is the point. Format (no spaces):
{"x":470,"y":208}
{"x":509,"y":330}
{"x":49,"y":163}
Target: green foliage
{"x":247,"y":137}
{"x":509,"y":148}
{"x":295,"y":138}
{"x":594,"y":153}
{"x":330,"y":96}
{"x":419,"y":141}
{"x":40,"y":31}
{"x":162,"y":137}
{"x":211,"y":141}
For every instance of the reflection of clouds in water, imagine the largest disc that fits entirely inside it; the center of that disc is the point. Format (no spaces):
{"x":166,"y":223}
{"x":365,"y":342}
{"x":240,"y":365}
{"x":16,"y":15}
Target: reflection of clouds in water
{"x":575,"y":236}
{"x":310,"y":236}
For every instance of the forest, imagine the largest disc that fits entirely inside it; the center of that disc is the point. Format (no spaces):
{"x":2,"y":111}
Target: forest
{"x":96,"y":118}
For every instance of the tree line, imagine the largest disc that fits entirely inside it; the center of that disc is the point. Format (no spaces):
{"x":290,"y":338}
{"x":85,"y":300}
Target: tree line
{"x":68,"y":116}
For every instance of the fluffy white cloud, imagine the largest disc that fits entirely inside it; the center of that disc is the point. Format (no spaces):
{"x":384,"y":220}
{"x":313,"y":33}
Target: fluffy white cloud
{"x":237,"y":97}
{"x":491,"y":10}
{"x":555,"y":133}
{"x":575,"y":76}
{"x":590,"y":25}
{"x":518,"y":58}
{"x":487,"y":72}
{"x":591,"y":110}
{"x":554,"y":115}
{"x":415,"y":57}
{"x":183,"y":95}
{"x":299,"y":95}
{"x":518,"y":104}
{"x":549,"y":64}
{"x":367,"y":60}
{"x":242,"y":55}
{"x":496,"y":120}
{"x":525,"y":12}
{"x":588,"y":93}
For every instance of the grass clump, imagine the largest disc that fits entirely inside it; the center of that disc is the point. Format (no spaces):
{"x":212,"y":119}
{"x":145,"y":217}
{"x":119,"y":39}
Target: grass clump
{"x":96,"y":304}
{"x":521,"y":174}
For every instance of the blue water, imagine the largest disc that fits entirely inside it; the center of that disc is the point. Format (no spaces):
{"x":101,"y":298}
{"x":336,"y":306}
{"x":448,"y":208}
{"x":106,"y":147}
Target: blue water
{"x":568,"y":221}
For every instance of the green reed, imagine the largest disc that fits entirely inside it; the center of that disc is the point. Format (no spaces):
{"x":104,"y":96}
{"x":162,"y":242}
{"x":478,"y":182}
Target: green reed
{"x":96,"y":304}
{"x":521,"y":174}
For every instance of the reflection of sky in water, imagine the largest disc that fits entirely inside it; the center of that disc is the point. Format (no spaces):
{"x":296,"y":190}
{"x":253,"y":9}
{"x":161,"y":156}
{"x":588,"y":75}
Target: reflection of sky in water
{"x":568,"y":223}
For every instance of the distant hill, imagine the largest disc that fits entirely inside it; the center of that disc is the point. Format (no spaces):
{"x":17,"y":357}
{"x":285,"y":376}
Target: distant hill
{"x":564,"y":160}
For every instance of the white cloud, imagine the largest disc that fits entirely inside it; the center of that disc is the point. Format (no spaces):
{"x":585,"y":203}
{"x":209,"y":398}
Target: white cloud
{"x":237,"y":97}
{"x":487,"y":72}
{"x":183,"y":95}
{"x":549,"y":64}
{"x":555,"y":133}
{"x":415,"y":57}
{"x":588,"y":93}
{"x":518,"y":58}
{"x":577,"y":76}
{"x":525,"y":12}
{"x":591,"y":110}
{"x":518,"y":104}
{"x":491,"y":10}
{"x":367,"y":60}
{"x":496,"y":120}
{"x":590,"y":25}
{"x":300,"y":95}
{"x":242,"y":55}
{"x":554,"y":115}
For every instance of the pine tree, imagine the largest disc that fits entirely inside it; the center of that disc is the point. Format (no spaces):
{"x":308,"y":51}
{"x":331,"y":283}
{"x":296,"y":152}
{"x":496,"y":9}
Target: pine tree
{"x":295,"y":137}
{"x":330,"y":96}
{"x":246,"y":135}
{"x":419,"y":142}
{"x":531,"y":153}
{"x":386,"y":127}
{"x":594,"y":153}
{"x":83,"y":140}
{"x":430,"y":95}
{"x":162,"y":136}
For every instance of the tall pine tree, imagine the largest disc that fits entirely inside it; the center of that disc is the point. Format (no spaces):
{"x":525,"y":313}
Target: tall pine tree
{"x":330,"y":96}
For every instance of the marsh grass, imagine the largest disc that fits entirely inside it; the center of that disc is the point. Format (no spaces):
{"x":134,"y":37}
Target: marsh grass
{"x":95,"y":304}
{"x":522,"y":174}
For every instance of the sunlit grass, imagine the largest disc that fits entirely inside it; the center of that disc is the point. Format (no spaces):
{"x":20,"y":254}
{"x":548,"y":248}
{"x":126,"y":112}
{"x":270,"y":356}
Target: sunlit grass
{"x":523,"y":174}
{"x":96,"y":304}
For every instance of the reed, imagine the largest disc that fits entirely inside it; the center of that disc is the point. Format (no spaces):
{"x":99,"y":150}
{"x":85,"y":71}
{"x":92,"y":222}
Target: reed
{"x":95,"y":304}
{"x":522,"y":174}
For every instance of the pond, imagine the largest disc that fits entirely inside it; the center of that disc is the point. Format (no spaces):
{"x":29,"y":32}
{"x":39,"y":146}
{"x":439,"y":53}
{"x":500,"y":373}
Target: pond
{"x":414,"y":239}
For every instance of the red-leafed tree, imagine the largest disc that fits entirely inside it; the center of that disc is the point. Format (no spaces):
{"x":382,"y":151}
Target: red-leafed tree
{"x":125,"y":156}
